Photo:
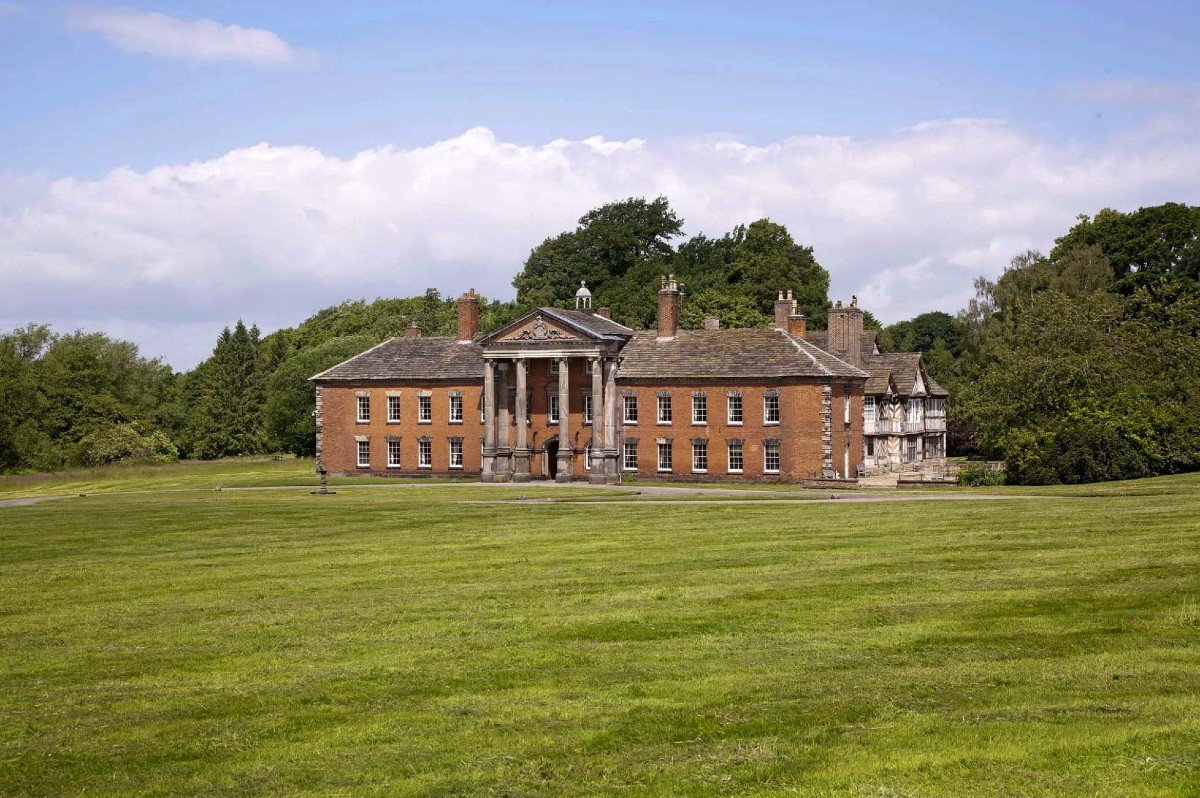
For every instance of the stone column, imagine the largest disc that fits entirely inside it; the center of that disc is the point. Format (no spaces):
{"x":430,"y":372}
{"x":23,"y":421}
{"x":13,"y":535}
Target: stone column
{"x":489,"y":419}
{"x":521,"y":453}
{"x":612,"y":465}
{"x":503,"y":463}
{"x":597,"y":474}
{"x":564,"y":419}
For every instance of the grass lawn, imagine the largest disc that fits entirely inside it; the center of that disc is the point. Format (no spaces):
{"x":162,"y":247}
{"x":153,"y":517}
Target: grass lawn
{"x":414,"y":642}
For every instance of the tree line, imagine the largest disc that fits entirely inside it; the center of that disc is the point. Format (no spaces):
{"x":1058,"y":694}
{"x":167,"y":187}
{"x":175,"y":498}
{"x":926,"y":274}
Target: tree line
{"x":1074,"y":366}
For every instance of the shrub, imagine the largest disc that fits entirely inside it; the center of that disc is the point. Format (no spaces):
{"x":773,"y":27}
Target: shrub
{"x":977,"y":475}
{"x":125,"y":442}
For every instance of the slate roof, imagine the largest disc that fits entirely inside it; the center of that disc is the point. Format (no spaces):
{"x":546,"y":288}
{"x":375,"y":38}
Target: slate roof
{"x":436,"y":359}
{"x":733,"y":353}
{"x":581,"y":321}
{"x":589,"y":321}
{"x":900,"y":369}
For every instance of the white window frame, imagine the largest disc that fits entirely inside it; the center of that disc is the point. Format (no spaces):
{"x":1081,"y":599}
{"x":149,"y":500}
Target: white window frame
{"x":846,"y":408}
{"x":587,"y":407}
{"x":629,"y":463}
{"x":393,"y":410}
{"x":553,"y":365}
{"x":424,"y":453}
{"x":699,"y":410}
{"x":664,"y":403}
{"x":362,"y":404}
{"x":425,"y":409}
{"x":456,"y":453}
{"x":699,"y":452}
{"x":393,"y":448}
{"x":912,"y":409}
{"x":456,"y":408}
{"x":363,"y":448}
{"x":587,"y":457}
{"x":740,"y":449}
{"x":662,"y":447}
{"x":629,"y":402}
{"x":767,"y":406}
{"x":733,"y":401}
{"x":768,"y":447}
{"x":869,"y":409}
{"x":553,"y":416}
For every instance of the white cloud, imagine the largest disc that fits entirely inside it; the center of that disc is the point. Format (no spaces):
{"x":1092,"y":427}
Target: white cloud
{"x":11,"y":9}
{"x":904,"y":220}
{"x":136,"y":31}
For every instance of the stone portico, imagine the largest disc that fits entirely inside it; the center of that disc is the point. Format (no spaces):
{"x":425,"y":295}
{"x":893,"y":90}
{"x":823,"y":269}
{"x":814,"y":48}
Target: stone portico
{"x":567,"y":342}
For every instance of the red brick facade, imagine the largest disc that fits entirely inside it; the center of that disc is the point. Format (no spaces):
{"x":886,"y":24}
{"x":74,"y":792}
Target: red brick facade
{"x":799,"y":430}
{"x":802,"y":422}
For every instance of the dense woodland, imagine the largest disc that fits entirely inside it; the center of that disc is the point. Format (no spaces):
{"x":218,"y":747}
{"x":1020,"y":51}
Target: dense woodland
{"x":1078,"y":365}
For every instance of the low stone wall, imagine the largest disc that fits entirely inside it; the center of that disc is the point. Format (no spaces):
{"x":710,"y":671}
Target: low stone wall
{"x":833,"y":484}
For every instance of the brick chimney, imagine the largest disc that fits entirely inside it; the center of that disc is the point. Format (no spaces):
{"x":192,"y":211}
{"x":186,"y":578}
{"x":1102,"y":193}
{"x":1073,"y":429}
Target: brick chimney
{"x":846,"y":331}
{"x":797,"y":325}
{"x":468,"y":316}
{"x":712,"y":323}
{"x":784,"y":308}
{"x":412,"y":331}
{"x":605,"y":312}
{"x":668,"y":308}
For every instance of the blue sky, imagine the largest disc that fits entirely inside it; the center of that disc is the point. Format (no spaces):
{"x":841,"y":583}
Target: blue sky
{"x":1096,"y":101}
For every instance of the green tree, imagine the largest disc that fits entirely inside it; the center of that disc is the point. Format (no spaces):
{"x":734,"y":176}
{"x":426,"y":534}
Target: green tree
{"x":290,"y":405}
{"x":609,"y":242}
{"x":227,"y":417}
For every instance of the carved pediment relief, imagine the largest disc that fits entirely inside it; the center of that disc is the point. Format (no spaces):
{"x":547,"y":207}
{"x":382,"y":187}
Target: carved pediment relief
{"x":539,"y":329}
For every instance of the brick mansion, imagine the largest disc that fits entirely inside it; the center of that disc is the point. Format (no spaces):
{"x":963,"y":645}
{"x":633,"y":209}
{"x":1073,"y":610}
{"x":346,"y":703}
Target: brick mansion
{"x":574,"y":395}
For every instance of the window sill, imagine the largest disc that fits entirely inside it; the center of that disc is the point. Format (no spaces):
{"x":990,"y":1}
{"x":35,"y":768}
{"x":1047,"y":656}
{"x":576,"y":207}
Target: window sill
{"x":770,"y":423}
{"x":393,"y":421}
{"x":735,"y":471}
{"x":767,"y":471}
{"x":425,"y":421}
{"x":665,"y":471}
{"x":363,"y":467}
{"x":699,"y":470}
{"x":456,"y":468}
{"x":452,"y":421}
{"x":699,"y":423}
{"x":362,"y":421}
{"x":425,"y":466}
{"x":629,"y":470}
{"x":662,"y":423}
{"x":735,"y":423}
{"x":393,"y":465}
{"x":629,"y":422}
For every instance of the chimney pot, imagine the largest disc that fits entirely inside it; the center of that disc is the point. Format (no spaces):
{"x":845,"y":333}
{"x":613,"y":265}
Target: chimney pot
{"x":605,"y":312}
{"x":797,"y":325}
{"x":412,"y":331}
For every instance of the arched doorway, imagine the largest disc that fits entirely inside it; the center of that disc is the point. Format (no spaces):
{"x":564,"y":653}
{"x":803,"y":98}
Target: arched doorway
{"x":552,"y":458}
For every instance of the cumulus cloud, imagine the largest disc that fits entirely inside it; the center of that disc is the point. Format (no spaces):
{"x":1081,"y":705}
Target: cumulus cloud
{"x":267,"y":233}
{"x":136,"y":31}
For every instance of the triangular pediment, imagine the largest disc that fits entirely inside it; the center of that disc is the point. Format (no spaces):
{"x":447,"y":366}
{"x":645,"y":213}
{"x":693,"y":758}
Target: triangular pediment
{"x":540,"y":326}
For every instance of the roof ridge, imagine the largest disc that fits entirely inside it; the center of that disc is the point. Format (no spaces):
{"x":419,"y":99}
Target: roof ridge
{"x":353,"y":357}
{"x":824,"y":369}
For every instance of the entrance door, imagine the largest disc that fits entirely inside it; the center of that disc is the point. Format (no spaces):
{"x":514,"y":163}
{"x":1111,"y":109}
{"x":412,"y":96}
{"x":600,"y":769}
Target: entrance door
{"x":552,"y":458}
